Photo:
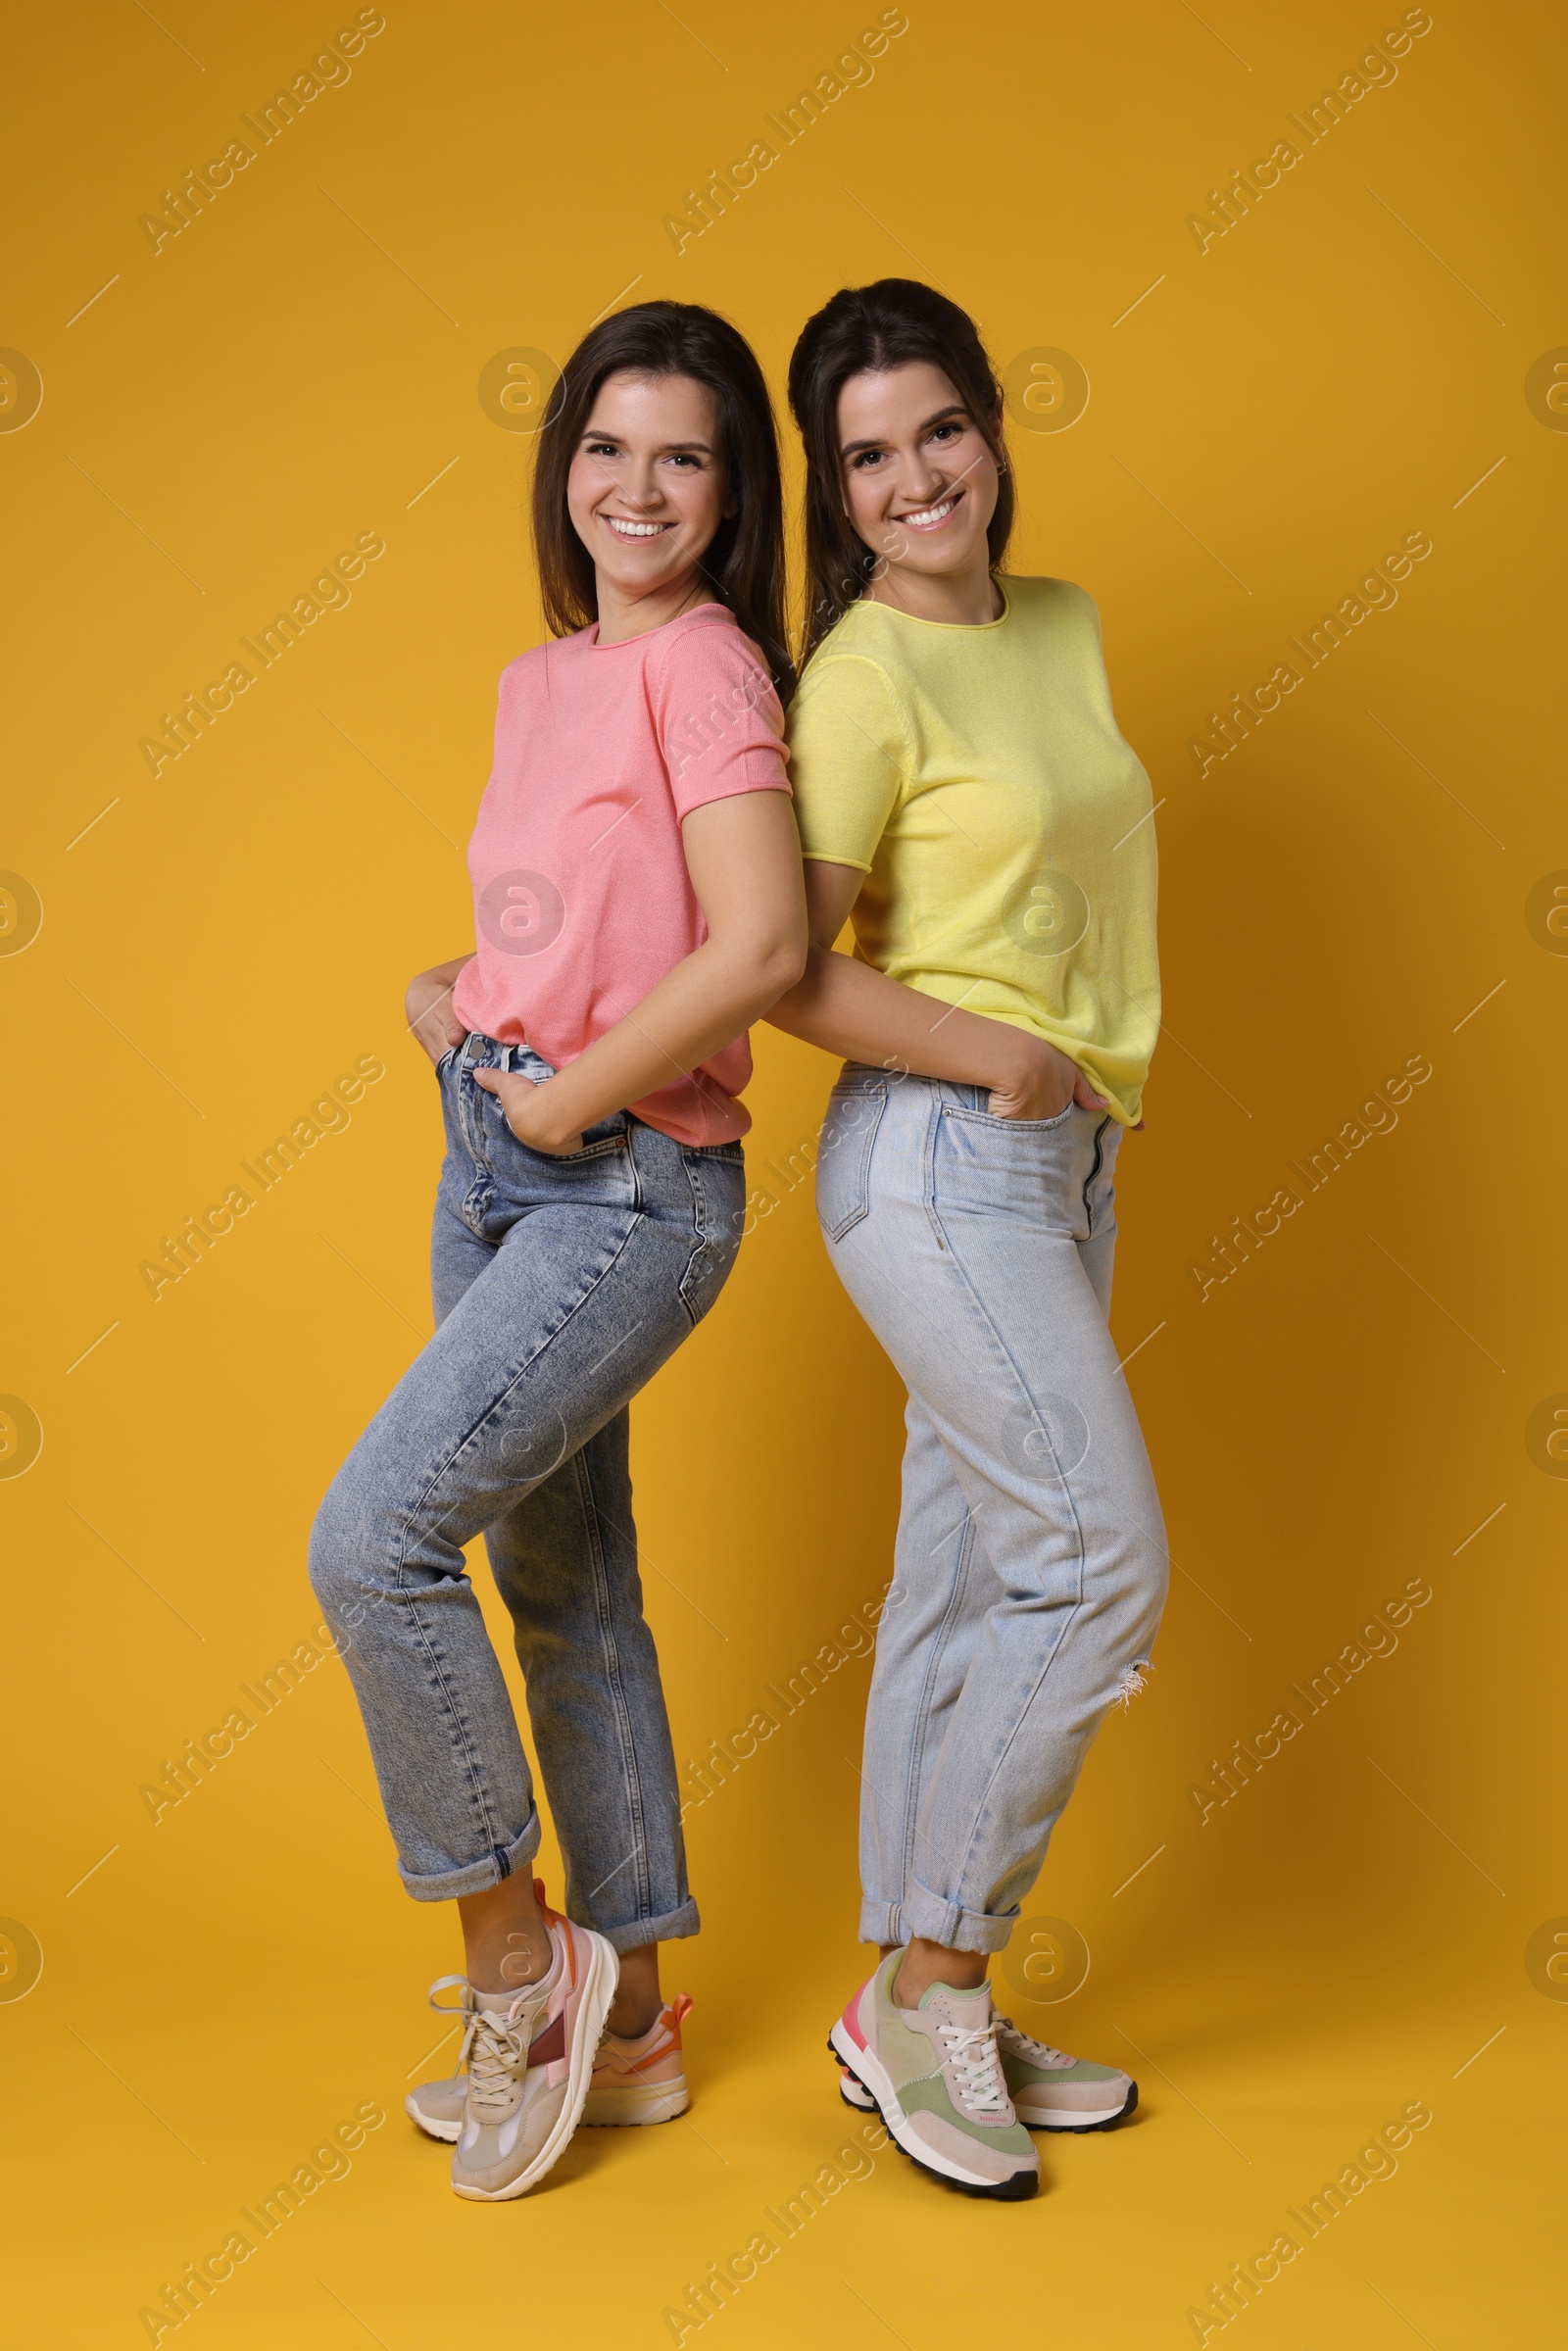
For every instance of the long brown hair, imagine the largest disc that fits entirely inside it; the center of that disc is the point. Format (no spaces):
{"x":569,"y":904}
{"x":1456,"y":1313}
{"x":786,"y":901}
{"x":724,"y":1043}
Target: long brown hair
{"x":864,"y":329}
{"x":744,"y":564}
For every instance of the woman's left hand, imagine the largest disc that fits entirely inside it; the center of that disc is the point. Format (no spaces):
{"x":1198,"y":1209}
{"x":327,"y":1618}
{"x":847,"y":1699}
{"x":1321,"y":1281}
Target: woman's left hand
{"x":527,"y":1110}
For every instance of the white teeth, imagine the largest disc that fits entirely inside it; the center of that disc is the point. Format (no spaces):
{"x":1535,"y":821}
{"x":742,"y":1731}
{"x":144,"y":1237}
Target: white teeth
{"x":635,"y":530}
{"x":932,"y":514}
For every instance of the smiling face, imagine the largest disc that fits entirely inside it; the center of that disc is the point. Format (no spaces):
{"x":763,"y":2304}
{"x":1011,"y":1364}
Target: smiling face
{"x":919,"y":478}
{"x":647,"y":492}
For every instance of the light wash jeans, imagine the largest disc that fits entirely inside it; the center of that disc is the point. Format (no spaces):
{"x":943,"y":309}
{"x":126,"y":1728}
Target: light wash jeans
{"x":1030,"y":1567}
{"x":561,"y":1285}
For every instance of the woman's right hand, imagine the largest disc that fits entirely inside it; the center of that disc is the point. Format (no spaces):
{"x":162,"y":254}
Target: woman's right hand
{"x":1038,"y":1082}
{"x":428,"y":1006}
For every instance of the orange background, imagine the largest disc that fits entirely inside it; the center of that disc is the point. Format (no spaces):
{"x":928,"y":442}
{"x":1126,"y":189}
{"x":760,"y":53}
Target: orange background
{"x":1368,"y":878}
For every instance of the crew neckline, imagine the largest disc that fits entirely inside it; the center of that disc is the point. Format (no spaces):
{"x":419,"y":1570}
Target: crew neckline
{"x":954,"y":629}
{"x":712,"y":604}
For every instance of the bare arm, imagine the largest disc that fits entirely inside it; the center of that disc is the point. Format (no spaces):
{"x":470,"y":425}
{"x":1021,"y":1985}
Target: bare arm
{"x":428,"y":1005}
{"x":848,"y":1008}
{"x":744,"y":859}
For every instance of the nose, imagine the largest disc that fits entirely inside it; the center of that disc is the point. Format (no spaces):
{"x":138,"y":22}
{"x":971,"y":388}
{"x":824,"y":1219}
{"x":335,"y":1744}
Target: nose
{"x":642,"y":486}
{"x":921,"y":480}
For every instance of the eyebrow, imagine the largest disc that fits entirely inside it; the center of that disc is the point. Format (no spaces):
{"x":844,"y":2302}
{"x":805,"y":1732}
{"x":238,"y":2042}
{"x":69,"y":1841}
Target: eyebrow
{"x":667,"y":448}
{"x":954,"y":407}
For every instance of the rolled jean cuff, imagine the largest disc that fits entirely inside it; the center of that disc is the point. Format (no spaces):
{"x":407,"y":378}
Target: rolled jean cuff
{"x":474,"y":1877}
{"x":880,"y":1922}
{"x":667,"y":1929}
{"x":947,"y":1923}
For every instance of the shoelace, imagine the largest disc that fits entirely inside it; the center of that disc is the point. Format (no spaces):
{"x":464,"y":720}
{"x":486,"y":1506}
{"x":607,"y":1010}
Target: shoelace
{"x":1036,"y":2052}
{"x":498,"y":2047}
{"x":972,"y":2052}
{"x":467,"y":2008}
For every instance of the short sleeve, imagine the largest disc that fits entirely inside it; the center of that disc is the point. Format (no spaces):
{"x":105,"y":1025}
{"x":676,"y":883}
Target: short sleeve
{"x":849,"y":757}
{"x":720,"y":724}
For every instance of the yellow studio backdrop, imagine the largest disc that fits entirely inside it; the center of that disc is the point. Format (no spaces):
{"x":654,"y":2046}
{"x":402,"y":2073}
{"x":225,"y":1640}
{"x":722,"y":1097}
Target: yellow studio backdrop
{"x":1287,"y":368}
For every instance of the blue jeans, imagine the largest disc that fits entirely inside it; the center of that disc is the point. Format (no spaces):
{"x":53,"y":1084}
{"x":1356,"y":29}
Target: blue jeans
{"x":1030,"y":1566}
{"x":561,"y":1285}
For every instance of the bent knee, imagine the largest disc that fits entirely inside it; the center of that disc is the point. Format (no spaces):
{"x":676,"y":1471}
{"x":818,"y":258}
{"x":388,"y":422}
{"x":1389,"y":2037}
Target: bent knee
{"x":341,"y":1553}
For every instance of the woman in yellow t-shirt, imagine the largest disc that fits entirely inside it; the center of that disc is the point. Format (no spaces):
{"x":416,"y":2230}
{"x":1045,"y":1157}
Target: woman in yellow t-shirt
{"x":965,"y":798}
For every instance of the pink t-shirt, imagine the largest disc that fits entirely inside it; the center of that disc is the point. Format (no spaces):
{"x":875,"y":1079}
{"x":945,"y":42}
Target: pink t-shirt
{"x":581,"y":898}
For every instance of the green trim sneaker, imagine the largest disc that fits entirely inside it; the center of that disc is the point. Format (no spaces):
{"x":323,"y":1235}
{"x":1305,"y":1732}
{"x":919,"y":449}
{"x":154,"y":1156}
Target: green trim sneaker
{"x":936,"y":2073}
{"x":1049,"y":2090}
{"x":1052,"y":2091}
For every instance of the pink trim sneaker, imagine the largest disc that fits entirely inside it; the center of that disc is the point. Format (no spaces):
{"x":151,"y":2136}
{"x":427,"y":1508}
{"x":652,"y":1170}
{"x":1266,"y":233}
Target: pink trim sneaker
{"x":935,"y":2074}
{"x":531,"y":2062}
{"x":1049,"y":2090}
{"x":641,"y":2080}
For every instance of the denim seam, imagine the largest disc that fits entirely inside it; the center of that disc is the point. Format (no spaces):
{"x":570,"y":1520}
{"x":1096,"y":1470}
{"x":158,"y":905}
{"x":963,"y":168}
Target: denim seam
{"x":994,"y":1119}
{"x":632,"y":1127}
{"x":476,"y":1777}
{"x":929,"y":1169}
{"x":1100,"y":1161}
{"x":922,"y":1713}
{"x":699,"y":1232}
{"x":501,"y":1394}
{"x":477,"y":1793}
{"x":1077,"y":1527}
{"x":630,"y":1775}
{"x":861,"y":1192}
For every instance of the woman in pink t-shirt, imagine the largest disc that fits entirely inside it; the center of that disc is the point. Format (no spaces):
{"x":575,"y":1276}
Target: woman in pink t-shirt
{"x":638,"y":902}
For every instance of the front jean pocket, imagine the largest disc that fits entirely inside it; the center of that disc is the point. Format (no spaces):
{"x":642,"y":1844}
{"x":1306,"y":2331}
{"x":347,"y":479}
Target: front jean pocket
{"x":605,"y":1136}
{"x":844,"y":1161}
{"x":1022,"y":1126}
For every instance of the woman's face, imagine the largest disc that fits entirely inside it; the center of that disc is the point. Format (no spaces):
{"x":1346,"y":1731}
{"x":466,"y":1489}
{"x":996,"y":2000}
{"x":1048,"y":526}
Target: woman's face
{"x":646,"y":490}
{"x":919,"y":478}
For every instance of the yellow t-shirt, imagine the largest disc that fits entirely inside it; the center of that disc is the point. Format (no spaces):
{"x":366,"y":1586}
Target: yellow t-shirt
{"x":976,"y":776}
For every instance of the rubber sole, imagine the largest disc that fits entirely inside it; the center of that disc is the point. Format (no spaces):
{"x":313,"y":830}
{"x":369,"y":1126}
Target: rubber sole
{"x":637,"y":2107}
{"x":1016,"y":2190}
{"x":1104,"y":2122}
{"x":860,"y":2101}
{"x":661,"y":2102}
{"x":604,"y":1972}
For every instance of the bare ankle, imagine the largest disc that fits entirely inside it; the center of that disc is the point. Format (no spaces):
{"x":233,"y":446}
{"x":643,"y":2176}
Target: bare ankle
{"x":629,"y":2022}
{"x":507,"y":1945}
{"x":638,"y":2003}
